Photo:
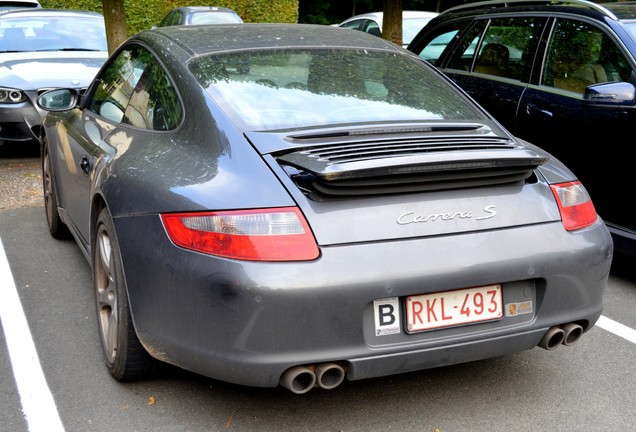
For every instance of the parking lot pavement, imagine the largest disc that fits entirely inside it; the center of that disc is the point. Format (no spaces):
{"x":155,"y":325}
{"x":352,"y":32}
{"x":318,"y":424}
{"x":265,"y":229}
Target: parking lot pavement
{"x":20,"y":177}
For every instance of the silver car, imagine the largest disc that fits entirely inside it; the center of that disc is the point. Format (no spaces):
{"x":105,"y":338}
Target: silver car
{"x":42,"y":49}
{"x":341,"y":211}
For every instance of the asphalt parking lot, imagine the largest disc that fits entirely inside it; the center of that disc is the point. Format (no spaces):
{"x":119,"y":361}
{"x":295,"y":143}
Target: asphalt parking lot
{"x":20,"y":177}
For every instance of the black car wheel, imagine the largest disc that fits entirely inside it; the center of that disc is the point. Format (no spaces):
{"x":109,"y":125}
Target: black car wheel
{"x":57,"y":228}
{"x":126,"y":358}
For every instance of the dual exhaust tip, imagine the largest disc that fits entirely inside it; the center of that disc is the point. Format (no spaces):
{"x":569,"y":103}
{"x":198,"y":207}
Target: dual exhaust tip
{"x":566,"y":334}
{"x":301,"y":379}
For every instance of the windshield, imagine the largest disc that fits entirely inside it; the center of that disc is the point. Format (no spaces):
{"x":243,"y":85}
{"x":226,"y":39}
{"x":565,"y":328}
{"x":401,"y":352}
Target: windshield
{"x":276,"y":89}
{"x":49,"y":33}
{"x":215,"y":17}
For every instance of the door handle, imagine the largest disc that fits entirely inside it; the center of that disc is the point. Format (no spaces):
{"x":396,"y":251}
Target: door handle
{"x":85,"y":165}
{"x":535,"y":109}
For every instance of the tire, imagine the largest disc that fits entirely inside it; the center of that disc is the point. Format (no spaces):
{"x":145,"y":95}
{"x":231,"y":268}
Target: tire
{"x":126,"y":359}
{"x":57,"y":228}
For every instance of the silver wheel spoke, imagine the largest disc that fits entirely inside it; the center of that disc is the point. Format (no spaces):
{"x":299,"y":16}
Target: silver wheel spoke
{"x":106,"y":286}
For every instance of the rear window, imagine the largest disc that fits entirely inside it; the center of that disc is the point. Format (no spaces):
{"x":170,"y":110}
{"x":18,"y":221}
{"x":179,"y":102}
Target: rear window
{"x":282,"y":89}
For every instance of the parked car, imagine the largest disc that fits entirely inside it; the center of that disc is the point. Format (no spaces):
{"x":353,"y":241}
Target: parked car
{"x":412,"y":23}
{"x":194,"y":15}
{"x":341,"y":211}
{"x":560,"y":75}
{"x":41,"y":49}
{"x":18,"y":4}
{"x":198,"y":15}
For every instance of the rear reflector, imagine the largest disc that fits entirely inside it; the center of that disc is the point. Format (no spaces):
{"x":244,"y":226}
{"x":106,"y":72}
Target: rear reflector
{"x":575,"y":205}
{"x":277,"y":234}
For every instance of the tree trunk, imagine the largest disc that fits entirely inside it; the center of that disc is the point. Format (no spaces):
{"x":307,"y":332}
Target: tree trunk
{"x":392,"y":21}
{"x":115,"y":19}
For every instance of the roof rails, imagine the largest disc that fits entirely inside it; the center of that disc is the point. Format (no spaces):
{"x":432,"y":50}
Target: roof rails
{"x":502,"y":3}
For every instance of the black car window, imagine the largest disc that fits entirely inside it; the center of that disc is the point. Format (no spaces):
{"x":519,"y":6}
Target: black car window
{"x":154,"y":103}
{"x":579,"y":55}
{"x":178,"y":18}
{"x":373,"y":28}
{"x":507,"y":46}
{"x":432,"y":52}
{"x":433,"y":46}
{"x":463,"y":56}
{"x":116,"y":84}
{"x":354,"y":25}
{"x":135,"y":90}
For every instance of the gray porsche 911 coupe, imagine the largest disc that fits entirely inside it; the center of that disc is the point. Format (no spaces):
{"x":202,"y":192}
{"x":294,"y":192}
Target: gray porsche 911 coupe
{"x":341,"y":211}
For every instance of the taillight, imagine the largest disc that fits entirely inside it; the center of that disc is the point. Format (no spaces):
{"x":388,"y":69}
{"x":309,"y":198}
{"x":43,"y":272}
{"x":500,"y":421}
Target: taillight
{"x":575,"y":205}
{"x":276,"y":234}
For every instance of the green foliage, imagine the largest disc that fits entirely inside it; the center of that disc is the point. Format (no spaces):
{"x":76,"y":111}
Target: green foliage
{"x":143,"y":14}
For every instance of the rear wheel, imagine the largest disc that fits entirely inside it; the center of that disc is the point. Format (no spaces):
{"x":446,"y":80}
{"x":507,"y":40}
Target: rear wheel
{"x":126,"y":359}
{"x":57,"y":228}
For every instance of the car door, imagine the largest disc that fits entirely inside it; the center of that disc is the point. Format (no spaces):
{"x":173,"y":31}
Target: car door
{"x":553,"y":113}
{"x":492,"y":62}
{"x":100,"y":115}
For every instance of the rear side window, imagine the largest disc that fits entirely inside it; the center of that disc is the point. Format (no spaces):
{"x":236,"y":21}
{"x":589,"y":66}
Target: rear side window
{"x":507,"y":47}
{"x":580,"y":55}
{"x":432,"y":52}
{"x":501,"y":47}
{"x":438,"y":42}
{"x":135,"y":90}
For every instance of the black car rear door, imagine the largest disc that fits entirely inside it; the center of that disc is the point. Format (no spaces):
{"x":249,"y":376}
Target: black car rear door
{"x":552,"y":113}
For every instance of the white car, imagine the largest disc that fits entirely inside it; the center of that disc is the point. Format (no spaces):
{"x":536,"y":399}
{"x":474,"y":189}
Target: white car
{"x":412,"y":23}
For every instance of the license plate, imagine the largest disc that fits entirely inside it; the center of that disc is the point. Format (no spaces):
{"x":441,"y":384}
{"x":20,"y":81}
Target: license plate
{"x":453,"y":308}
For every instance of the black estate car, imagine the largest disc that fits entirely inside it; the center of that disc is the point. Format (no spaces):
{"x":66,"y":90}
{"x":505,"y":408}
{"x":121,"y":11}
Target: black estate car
{"x":558,"y":74}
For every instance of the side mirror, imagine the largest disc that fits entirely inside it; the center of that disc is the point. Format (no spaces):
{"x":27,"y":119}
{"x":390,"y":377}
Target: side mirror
{"x":614,"y":95}
{"x":58,"y":100}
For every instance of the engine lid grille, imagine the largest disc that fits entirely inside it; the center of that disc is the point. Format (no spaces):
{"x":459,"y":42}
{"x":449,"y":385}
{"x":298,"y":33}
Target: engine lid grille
{"x":373,"y":167}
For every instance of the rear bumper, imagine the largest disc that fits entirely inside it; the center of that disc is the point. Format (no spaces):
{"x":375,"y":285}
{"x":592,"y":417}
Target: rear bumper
{"x":247,"y":323}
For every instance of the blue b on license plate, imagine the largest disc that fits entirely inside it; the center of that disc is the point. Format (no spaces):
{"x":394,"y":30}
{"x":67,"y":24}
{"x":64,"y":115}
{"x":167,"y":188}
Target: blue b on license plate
{"x":453,"y":308}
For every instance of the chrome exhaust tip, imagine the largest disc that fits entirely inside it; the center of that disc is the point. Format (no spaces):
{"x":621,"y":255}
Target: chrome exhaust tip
{"x":572,"y":333}
{"x":329,"y":375}
{"x":552,"y":338}
{"x":298,"y":379}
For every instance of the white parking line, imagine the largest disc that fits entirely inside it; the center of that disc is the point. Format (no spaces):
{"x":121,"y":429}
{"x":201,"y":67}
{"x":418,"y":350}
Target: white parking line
{"x":617,"y":328}
{"x":37,"y":401}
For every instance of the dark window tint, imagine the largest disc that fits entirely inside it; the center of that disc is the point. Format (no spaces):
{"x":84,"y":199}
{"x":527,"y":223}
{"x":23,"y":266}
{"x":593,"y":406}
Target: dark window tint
{"x":507,"y":47}
{"x":437,"y":43}
{"x":154,"y":103}
{"x":579,"y":55}
{"x":135,"y":90}
{"x":500,"y":47}
{"x":354,"y":25}
{"x":463,"y":56}
{"x":116,"y":85}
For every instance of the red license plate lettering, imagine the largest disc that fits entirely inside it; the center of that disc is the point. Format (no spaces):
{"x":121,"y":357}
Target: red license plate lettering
{"x":452,"y":308}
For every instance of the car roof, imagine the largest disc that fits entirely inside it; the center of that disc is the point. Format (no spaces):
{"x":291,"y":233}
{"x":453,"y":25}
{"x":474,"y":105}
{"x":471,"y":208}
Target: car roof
{"x":27,"y":3}
{"x":40,"y":12}
{"x":614,"y":11}
{"x":204,"y":9}
{"x":405,"y":14}
{"x":209,"y":39}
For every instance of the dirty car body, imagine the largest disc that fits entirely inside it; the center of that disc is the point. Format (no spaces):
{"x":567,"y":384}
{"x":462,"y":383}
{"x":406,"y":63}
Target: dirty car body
{"x":340,"y":211}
